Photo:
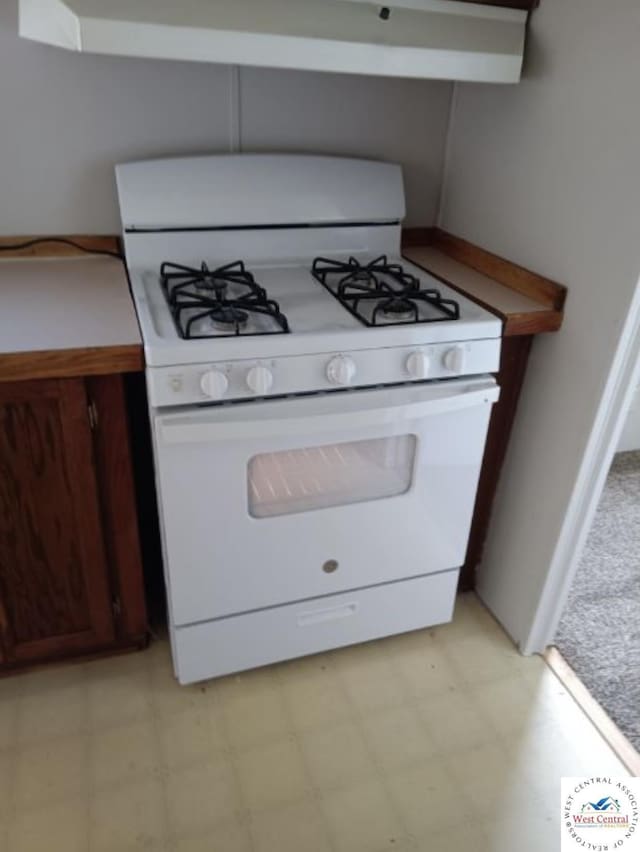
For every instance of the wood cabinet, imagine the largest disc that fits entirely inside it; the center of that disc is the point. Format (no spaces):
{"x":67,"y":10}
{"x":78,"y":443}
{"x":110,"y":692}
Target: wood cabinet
{"x":70,"y":568}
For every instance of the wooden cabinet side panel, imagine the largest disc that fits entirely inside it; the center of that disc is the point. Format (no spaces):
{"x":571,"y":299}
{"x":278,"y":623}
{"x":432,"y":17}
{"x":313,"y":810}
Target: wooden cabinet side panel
{"x":513,"y":364}
{"x":53,"y":580}
{"x":118,"y":504}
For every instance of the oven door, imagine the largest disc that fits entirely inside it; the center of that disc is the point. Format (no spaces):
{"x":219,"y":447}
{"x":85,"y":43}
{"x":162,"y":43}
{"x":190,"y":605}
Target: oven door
{"x":269,"y":502}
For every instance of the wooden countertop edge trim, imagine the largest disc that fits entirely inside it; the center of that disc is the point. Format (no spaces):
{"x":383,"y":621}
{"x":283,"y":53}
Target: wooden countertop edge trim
{"x":513,"y":325}
{"x":47,"y":247}
{"x":69,"y":363}
{"x":464,"y":292}
{"x":532,"y":323}
{"x":543,"y":290}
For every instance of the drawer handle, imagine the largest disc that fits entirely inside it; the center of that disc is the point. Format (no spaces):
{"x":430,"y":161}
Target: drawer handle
{"x":330,"y":566}
{"x":318,"y":616}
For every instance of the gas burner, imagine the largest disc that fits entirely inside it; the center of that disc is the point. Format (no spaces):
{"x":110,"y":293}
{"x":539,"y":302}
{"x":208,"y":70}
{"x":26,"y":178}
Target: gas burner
{"x":228,"y":317}
{"x":398,"y":310}
{"x":364,"y":275}
{"x":361,"y":278}
{"x":187,"y":281}
{"x":382,"y":293}
{"x":220,"y":302}
{"x":352,"y":277}
{"x":208,"y":281}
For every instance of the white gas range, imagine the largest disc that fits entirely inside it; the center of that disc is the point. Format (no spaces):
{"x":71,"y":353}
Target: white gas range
{"x":319,"y":406}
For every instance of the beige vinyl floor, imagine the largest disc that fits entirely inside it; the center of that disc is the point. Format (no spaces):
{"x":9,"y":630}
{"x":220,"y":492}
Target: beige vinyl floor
{"x":444,"y":740}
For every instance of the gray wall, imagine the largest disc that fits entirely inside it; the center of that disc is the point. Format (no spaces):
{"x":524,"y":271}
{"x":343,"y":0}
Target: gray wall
{"x":66,"y":119}
{"x":547,"y":174}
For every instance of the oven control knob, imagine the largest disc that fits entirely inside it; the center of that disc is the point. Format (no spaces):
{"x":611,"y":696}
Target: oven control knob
{"x":454,"y":359}
{"x":259,"y":380}
{"x":214,"y":384}
{"x":341,"y":370}
{"x":417,"y":365}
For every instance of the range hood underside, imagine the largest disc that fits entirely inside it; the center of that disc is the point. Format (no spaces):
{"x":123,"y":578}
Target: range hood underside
{"x":439,"y":39}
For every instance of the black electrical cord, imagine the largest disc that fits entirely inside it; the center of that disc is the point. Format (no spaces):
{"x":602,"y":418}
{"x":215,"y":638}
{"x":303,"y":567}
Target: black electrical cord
{"x":29,"y":243}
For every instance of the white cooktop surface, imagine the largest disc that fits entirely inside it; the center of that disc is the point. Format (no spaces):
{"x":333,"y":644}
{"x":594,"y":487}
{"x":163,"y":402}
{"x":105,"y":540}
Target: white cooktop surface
{"x":318,"y":322}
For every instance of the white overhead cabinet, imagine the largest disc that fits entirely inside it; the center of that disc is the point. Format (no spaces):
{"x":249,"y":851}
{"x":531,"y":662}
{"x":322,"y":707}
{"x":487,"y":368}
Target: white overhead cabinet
{"x":439,"y":39}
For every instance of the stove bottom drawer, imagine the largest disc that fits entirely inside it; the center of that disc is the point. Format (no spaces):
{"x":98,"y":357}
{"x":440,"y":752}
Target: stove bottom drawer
{"x":265,"y":636}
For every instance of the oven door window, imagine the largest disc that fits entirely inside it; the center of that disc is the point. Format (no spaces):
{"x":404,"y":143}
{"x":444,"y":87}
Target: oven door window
{"x":301,"y":480}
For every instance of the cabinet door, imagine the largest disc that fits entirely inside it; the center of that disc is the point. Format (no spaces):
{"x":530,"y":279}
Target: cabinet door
{"x":54,"y":589}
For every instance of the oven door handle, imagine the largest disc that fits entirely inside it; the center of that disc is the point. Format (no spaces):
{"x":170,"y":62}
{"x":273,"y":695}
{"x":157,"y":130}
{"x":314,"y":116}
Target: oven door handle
{"x":198,"y":428}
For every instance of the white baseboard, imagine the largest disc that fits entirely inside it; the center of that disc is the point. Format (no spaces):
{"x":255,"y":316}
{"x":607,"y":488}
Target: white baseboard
{"x":630,"y":437}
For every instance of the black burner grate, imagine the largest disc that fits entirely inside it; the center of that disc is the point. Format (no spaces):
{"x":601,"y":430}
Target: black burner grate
{"x":228,"y":298}
{"x":393,"y":295}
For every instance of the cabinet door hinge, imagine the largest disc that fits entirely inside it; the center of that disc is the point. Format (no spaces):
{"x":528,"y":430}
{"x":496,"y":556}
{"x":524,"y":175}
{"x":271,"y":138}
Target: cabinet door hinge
{"x":93,"y":415}
{"x":116,"y":606}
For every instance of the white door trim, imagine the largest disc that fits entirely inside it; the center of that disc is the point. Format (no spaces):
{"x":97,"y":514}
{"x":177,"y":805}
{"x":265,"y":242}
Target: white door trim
{"x":616,"y":399}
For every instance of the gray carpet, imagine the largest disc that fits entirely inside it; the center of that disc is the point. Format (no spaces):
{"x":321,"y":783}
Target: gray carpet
{"x":599,"y":634}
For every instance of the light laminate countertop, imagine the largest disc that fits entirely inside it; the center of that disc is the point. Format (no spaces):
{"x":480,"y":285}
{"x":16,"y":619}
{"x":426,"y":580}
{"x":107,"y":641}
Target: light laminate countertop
{"x":66,"y":316}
